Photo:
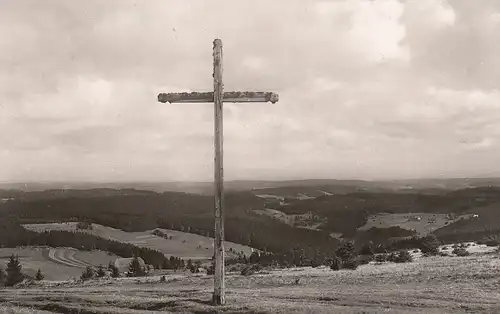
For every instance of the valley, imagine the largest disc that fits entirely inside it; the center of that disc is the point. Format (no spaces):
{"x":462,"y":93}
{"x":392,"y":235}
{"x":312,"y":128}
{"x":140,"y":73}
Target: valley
{"x":297,"y":225}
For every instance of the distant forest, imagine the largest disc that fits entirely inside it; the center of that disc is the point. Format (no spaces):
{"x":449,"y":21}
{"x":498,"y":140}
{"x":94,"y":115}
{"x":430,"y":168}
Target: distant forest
{"x":178,"y":211}
{"x":132,"y":210}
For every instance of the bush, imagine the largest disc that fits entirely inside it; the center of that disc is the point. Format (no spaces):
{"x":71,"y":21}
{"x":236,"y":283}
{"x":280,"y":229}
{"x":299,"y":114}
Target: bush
{"x":88,"y":273}
{"x":335,"y":263}
{"x":346,"y":251}
{"x":490,"y":240}
{"x":460,"y":252}
{"x":381,"y":258}
{"x":392,"y":257}
{"x":365,"y":259}
{"x":429,"y":245}
{"x":403,"y":256}
{"x":211,"y":269}
{"x":380,"y":249}
{"x":84,"y":225}
{"x":194,"y":269}
{"x":250,"y":270}
{"x":247,"y":271}
{"x":351,"y":264}
{"x":100,"y":272}
{"x":367,"y":249}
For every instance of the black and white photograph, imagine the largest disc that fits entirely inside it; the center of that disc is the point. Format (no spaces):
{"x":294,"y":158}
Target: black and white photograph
{"x":260,"y":157}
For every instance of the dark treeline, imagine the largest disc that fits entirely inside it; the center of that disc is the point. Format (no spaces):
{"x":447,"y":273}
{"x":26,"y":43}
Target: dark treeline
{"x":448,"y":238}
{"x":382,"y":235}
{"x":140,"y":211}
{"x":348,"y":212}
{"x":177,"y":211}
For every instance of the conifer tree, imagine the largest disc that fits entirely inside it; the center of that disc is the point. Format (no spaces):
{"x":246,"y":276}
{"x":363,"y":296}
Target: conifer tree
{"x":348,"y":255}
{"x":39,"y":275}
{"x":88,"y":273}
{"x":115,"y":272}
{"x":135,"y":269}
{"x":100,"y":271}
{"x":14,"y":274}
{"x":2,"y":276}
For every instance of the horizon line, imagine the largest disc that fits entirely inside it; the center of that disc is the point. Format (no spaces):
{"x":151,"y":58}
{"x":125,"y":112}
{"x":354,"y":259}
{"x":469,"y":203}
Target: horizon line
{"x":249,"y":180}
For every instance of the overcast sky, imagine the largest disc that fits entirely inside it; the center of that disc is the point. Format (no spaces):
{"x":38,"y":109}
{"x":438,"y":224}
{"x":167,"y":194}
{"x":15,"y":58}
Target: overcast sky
{"x":368,"y":89}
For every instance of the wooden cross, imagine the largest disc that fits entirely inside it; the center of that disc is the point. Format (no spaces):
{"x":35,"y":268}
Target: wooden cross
{"x":218,"y":97}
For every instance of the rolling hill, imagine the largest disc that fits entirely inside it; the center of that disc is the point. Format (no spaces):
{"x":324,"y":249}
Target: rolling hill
{"x":349,"y":212}
{"x":180,"y":244}
{"x":56,"y":263}
{"x":430,"y":185}
{"x":266,"y":221}
{"x":175,"y":211}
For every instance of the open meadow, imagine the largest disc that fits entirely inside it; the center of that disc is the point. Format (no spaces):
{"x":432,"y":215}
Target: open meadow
{"x":427,"y":285}
{"x":421,"y":223}
{"x":56,"y":263}
{"x":181,"y":244}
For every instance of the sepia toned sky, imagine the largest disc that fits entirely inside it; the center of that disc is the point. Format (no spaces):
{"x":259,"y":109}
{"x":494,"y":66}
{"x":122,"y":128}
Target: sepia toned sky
{"x":368,"y":89}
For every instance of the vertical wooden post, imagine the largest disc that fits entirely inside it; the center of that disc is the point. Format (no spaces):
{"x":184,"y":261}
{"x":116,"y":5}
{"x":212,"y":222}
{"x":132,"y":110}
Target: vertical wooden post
{"x":218,"y":97}
{"x":219,"y":286}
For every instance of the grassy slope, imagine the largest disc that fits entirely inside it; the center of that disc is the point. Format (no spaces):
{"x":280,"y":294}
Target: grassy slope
{"x":62,"y":264}
{"x":183,"y":244}
{"x":428,"y":223}
{"x":488,"y":220}
{"x":429,"y":285}
{"x":344,"y":213}
{"x":173,"y":211}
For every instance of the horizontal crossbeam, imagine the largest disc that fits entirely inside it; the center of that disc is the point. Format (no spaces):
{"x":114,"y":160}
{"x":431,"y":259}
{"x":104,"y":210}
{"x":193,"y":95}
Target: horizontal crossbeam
{"x":208,"y":97}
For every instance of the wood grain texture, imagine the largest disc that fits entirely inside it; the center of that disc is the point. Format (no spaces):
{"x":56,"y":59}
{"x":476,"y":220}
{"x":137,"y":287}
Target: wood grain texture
{"x":219,"y":286}
{"x":208,"y":97}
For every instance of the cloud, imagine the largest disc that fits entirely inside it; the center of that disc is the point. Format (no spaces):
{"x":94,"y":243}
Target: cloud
{"x":368,"y":89}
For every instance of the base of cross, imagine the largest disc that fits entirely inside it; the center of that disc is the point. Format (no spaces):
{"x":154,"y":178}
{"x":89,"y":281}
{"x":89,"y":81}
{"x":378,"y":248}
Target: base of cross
{"x":218,"y":299}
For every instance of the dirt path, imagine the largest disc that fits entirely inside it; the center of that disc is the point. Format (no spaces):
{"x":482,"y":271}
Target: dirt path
{"x":65,"y":257}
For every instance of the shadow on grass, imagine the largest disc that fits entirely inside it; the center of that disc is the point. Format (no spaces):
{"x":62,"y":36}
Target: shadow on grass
{"x":154,"y":306}
{"x":58,"y":308}
{"x":206,"y":307}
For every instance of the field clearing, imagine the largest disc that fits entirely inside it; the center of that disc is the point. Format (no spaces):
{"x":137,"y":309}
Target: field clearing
{"x":184,"y":245}
{"x":428,"y":285}
{"x":55,"y":263}
{"x":305,"y":221}
{"x":427,"y":224}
